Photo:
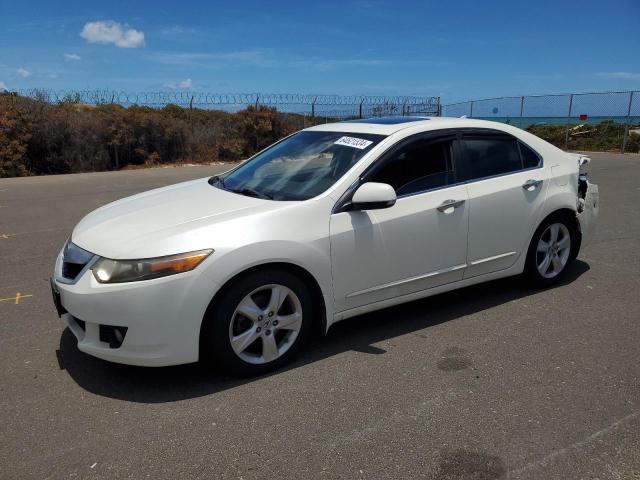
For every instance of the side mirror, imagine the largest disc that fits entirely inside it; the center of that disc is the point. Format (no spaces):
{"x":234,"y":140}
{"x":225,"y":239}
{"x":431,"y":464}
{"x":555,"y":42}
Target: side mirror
{"x":372,"y":195}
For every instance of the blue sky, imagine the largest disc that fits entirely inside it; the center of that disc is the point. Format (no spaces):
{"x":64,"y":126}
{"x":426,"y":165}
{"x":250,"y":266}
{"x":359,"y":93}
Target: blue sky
{"x":458,"y":50}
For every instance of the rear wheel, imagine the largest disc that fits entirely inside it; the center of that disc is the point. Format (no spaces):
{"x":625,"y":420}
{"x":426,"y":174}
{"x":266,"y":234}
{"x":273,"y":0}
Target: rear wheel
{"x":552,"y":249}
{"x":259,"y":323}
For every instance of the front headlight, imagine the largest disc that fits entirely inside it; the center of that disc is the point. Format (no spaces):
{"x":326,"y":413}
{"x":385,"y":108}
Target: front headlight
{"x":119,"y":271}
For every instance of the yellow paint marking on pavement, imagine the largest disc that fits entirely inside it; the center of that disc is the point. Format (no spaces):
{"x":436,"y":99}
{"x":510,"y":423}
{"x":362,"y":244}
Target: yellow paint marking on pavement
{"x":16,"y":299}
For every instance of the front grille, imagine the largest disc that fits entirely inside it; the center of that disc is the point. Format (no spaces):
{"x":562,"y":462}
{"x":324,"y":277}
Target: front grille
{"x":74,"y":259}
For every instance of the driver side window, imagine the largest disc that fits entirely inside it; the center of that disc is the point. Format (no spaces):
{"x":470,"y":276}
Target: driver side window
{"x":420,"y":165}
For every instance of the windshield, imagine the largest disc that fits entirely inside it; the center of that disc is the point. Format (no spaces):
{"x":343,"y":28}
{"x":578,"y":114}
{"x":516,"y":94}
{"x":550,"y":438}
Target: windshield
{"x":299,"y":167}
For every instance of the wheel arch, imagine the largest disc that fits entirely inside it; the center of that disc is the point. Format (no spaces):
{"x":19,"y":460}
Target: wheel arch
{"x":564,"y":212}
{"x":319,"y":320}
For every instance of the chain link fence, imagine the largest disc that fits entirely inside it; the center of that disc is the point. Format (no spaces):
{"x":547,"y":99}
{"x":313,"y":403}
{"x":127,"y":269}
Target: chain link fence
{"x":314,"y":106}
{"x":573,"y":121}
{"x":606,"y":121}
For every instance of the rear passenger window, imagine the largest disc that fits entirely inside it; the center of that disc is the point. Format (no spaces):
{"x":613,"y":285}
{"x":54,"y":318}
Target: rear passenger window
{"x":530,"y":159}
{"x":489,"y":156}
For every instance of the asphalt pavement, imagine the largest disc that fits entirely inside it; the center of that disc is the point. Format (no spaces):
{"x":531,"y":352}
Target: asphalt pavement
{"x":492,"y":381}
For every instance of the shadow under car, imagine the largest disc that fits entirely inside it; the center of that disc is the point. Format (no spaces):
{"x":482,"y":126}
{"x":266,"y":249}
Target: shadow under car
{"x":168,"y":384}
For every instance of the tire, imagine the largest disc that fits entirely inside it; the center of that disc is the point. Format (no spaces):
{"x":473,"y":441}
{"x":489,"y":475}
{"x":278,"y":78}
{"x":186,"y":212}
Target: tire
{"x":241,"y":337}
{"x":554,"y":254}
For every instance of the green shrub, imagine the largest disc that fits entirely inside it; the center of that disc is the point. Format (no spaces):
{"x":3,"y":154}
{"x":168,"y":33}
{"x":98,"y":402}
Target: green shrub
{"x":602,"y":137}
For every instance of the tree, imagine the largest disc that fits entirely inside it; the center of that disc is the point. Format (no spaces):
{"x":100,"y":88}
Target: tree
{"x":14,"y":137}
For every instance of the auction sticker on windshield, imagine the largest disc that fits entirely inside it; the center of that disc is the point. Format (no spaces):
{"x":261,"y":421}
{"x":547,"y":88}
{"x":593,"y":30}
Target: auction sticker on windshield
{"x":358,"y":143}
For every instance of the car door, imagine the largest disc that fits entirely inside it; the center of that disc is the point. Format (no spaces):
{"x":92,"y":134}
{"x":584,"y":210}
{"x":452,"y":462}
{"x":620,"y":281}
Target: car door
{"x":506,"y":187}
{"x":418,"y":243}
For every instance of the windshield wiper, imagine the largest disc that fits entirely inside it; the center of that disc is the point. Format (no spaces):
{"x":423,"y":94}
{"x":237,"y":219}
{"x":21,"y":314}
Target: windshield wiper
{"x":251,"y":193}
{"x":216,"y":179}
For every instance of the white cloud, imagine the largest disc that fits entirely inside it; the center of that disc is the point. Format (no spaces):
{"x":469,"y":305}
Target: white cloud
{"x":3,"y":86}
{"x":179,"y":31}
{"x":621,"y":75}
{"x":176,"y":29}
{"x":329,"y":64}
{"x":72,"y":56}
{"x":268,"y":59}
{"x":108,"y":31}
{"x":258,"y":58}
{"x":23,"y":72}
{"x":186,"y":83}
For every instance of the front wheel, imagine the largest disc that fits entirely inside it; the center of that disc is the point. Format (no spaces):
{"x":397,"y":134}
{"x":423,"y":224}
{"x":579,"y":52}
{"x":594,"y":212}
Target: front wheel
{"x":260,"y":322}
{"x":553,"y":247}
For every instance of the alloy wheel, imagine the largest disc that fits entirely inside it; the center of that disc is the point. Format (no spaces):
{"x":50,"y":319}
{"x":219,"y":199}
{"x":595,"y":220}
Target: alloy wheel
{"x":265,"y":324}
{"x":553,"y":251}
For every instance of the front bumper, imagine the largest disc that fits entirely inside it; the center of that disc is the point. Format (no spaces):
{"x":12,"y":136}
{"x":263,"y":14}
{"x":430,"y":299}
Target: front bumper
{"x":162,"y":316}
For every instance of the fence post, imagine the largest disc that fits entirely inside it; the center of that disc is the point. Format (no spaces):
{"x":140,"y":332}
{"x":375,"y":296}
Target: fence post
{"x":191,"y":103}
{"x":439,"y":108}
{"x":257,"y":101}
{"x":403,"y":109}
{"x":313,"y":109}
{"x":471,"y":109}
{"x":521,"y":109}
{"x":566,"y":137}
{"x":360,"y":109}
{"x":626,"y":127}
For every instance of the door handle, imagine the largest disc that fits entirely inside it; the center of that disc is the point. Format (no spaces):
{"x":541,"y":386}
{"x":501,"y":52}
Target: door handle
{"x":449,"y":206}
{"x":531,"y":185}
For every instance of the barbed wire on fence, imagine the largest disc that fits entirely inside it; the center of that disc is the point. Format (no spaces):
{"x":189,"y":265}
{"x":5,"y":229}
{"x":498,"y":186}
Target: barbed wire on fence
{"x":95,"y":97}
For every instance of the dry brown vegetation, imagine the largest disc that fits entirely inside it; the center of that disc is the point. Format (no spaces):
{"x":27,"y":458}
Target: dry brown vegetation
{"x":38,"y":137}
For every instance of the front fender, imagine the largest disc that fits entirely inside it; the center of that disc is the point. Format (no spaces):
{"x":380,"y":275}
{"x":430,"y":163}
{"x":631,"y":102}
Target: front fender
{"x":312,"y":257}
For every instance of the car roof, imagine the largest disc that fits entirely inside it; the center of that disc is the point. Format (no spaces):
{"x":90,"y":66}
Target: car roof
{"x":390,"y":125}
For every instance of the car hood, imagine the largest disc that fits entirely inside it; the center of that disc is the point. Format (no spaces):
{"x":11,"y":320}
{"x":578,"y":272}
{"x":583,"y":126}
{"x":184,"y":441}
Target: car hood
{"x":165,"y":221}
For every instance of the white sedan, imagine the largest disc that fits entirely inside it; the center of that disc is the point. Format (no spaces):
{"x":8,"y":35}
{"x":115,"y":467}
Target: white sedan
{"x":331,"y":222}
